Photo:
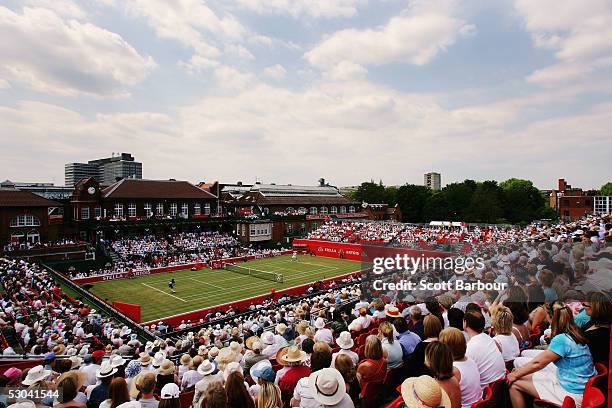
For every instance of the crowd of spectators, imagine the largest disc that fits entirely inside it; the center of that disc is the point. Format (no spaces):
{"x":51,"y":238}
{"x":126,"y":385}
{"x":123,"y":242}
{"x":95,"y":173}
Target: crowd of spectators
{"x":543,"y":336}
{"x":27,"y":245}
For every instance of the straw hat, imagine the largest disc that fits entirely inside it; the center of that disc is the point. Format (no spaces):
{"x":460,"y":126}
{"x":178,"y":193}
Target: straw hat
{"x":75,"y":362}
{"x":279,"y":356}
{"x":116,"y":360}
{"x":144,"y":358}
{"x":206,"y":367}
{"x":294,"y":355}
{"x":23,"y":404}
{"x":345,"y":341}
{"x":328,"y":386}
{"x":236,"y":347}
{"x":393,"y":312}
{"x":226,"y":356}
{"x":281,"y":328}
{"x":186,"y":359}
{"x":79,"y":376}
{"x":213,"y":352}
{"x":267,"y":338}
{"x":249,"y":342}
{"x":424,"y":392}
{"x":106,"y":370}
{"x":166,"y":368}
{"x":36,"y":374}
{"x":230,"y":368}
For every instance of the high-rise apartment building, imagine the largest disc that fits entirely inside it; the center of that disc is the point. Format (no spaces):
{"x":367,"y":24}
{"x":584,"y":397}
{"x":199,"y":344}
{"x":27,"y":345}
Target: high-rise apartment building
{"x":105,"y":171}
{"x":433,"y":181}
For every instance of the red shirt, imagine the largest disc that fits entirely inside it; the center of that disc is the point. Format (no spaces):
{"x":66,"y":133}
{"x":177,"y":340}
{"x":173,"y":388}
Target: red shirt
{"x":290,"y":379}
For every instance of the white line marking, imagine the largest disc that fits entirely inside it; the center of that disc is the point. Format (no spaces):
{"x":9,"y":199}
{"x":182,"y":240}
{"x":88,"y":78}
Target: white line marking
{"x":206,"y":283}
{"x":165,"y":293}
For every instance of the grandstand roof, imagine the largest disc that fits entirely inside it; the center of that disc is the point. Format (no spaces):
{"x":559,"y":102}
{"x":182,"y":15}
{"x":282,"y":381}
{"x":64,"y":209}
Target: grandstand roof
{"x":165,"y":189}
{"x":11,"y":197}
{"x":298,"y":199}
{"x":270,"y":190}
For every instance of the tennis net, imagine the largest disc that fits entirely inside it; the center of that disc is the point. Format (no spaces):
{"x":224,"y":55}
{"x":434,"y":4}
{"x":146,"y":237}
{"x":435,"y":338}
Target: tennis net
{"x":257,"y":273}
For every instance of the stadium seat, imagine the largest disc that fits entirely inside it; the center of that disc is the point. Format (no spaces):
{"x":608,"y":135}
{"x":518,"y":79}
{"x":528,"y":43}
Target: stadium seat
{"x":186,"y":398}
{"x":486,"y":400}
{"x":510,"y":365}
{"x":499,"y":392}
{"x":371,"y":395}
{"x":393,"y":378}
{"x":397,"y":403}
{"x":361,"y":352}
{"x":593,"y":397}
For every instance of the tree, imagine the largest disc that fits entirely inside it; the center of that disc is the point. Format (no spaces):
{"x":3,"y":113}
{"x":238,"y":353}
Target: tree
{"x":411,"y":199}
{"x":522,"y":202}
{"x":458,"y":198}
{"x":486,"y":204}
{"x":606,"y":189}
{"x":370,"y":192}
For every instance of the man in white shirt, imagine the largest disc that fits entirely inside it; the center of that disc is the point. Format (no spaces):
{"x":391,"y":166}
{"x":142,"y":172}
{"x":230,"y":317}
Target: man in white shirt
{"x":362,"y":322}
{"x":323,"y":334}
{"x":483,"y":350}
{"x":345,"y":341}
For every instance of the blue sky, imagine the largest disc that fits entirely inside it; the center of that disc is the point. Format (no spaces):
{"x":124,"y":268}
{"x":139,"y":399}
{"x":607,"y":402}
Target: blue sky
{"x":288,"y":91}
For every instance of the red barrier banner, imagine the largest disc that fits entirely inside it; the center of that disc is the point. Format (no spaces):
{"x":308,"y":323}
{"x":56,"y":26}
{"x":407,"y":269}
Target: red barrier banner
{"x":131,"y":310}
{"x":331,"y":249}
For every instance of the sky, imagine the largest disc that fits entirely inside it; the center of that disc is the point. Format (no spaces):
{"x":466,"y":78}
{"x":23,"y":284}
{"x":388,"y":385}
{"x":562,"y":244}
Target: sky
{"x":288,"y":91}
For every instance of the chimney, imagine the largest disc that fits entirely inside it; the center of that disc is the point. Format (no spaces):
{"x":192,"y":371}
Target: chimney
{"x":562,"y":185}
{"x":321,"y":182}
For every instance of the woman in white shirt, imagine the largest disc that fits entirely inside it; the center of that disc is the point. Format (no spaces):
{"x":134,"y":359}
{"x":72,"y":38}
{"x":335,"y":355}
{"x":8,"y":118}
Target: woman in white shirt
{"x":507,"y":342}
{"x":465,"y":370}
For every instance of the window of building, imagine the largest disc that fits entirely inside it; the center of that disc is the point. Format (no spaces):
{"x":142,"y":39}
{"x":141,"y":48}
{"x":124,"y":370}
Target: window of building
{"x":313,"y":210}
{"x":98,"y":212}
{"x":173,"y":209}
{"x":266,"y":211}
{"x":159,"y":209}
{"x":323,"y":210}
{"x":342,"y":210}
{"x":197,"y":209}
{"x":302,"y":210}
{"x":206,"y":208}
{"x":118,"y":210}
{"x":290,"y":209}
{"x":148,"y":210}
{"x":131,"y":209}
{"x":84,"y":213}
{"x":33,"y":237}
{"x":334,"y":210}
{"x":185,"y":209}
{"x":25,"y":220}
{"x":289,"y":228}
{"x":351,"y":209}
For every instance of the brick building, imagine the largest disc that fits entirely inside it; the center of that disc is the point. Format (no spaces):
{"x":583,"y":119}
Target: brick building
{"x":571,"y":203}
{"x":28,"y":218}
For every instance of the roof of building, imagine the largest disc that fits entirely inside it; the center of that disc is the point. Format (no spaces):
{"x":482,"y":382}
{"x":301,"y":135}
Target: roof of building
{"x":11,"y":197}
{"x":257,"y":198}
{"x":162,"y":189}
{"x":270,"y":190}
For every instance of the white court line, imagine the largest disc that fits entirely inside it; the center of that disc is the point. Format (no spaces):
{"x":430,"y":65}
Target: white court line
{"x":165,"y":293}
{"x":309,"y":263}
{"x":206,"y":283}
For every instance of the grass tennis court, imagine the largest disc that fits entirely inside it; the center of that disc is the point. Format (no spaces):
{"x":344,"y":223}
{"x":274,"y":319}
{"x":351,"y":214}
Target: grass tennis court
{"x":204,"y":288}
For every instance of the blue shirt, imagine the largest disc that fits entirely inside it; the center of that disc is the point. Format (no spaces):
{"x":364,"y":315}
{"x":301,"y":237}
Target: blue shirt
{"x":575,"y":366}
{"x":408,"y":341}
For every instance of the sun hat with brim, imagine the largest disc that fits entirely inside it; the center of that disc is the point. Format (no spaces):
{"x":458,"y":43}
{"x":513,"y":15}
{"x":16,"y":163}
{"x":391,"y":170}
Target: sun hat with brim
{"x":319,"y":323}
{"x":185,"y":359}
{"x":279,"y":356}
{"x":206,"y":368}
{"x":166,"y":368}
{"x":79,"y":376}
{"x":249,"y":342}
{"x":328,"y":386}
{"x":75,"y":362}
{"x":267,"y":338}
{"x":345,"y":341}
{"x":169,"y":391}
{"x":294,"y":355}
{"x":424,"y":392}
{"x":231,"y":368}
{"x":13,"y":375}
{"x":116,"y":360}
{"x":23,"y":404}
{"x":145,"y":359}
{"x":393,"y":312}
{"x":281,"y":328}
{"x":36,"y":374}
{"x":106,"y":370}
{"x":158,"y":359}
{"x":258,"y":367}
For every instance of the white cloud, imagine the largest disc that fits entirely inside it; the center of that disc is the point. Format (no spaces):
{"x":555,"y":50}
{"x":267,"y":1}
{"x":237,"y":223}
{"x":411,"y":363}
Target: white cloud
{"x":275,"y":71}
{"x":579,"y":33}
{"x":4,"y":84}
{"x":239,"y":51}
{"x":64,"y":8}
{"x":310,"y":8}
{"x":67,"y":57}
{"x":346,"y":70}
{"x":231,"y":79}
{"x":415,"y":37}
